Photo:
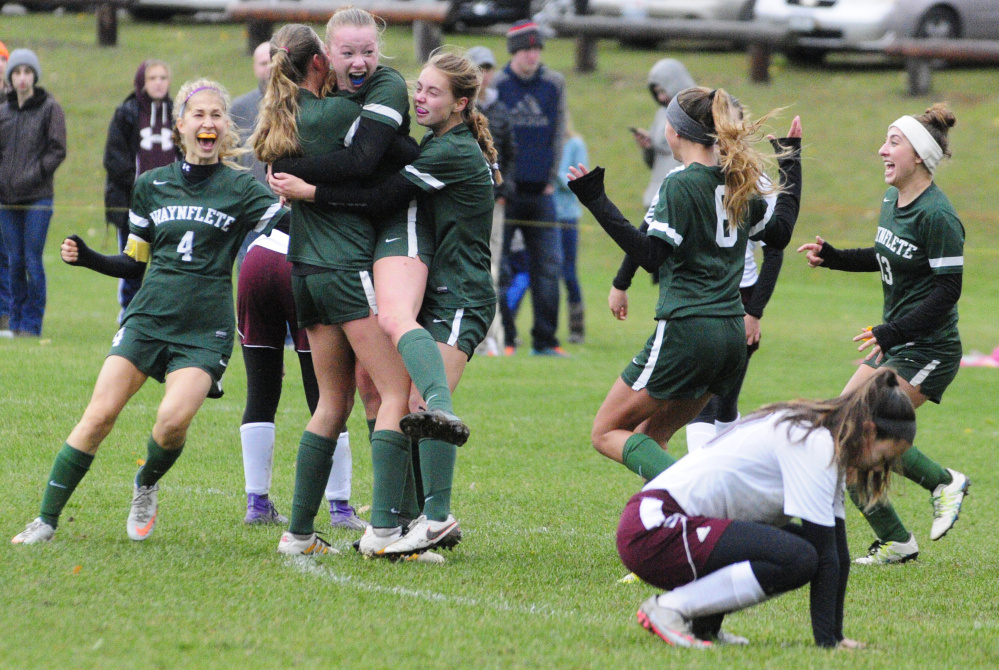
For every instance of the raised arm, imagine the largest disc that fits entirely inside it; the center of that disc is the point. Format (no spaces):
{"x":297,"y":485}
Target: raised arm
{"x":75,"y":251}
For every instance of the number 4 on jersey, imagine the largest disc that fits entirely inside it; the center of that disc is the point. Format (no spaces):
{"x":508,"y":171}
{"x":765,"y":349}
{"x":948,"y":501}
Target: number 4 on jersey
{"x":186,"y":246}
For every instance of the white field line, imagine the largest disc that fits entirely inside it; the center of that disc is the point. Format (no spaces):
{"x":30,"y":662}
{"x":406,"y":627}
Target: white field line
{"x":310,"y":567}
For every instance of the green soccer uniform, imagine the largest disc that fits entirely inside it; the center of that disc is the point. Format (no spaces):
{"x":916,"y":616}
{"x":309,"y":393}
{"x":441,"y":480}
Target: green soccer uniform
{"x":194,"y":232}
{"x":384,"y":98}
{"x":914,"y":244}
{"x":701,"y":277}
{"x":319,"y":237}
{"x":458,"y":204}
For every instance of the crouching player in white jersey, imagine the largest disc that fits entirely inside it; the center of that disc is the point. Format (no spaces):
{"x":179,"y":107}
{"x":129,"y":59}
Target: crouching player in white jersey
{"x":715,"y":527}
{"x":187,"y":222}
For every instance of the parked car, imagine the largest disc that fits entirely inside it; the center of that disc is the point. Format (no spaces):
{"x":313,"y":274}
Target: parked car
{"x":821,"y":26}
{"x":725,"y":10}
{"x":480,"y":13}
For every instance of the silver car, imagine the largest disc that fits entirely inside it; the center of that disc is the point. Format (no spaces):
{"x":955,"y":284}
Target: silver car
{"x":821,"y":26}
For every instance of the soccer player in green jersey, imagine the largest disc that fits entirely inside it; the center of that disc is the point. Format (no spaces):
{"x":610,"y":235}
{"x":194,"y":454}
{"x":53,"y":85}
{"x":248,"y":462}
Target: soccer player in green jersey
{"x":404,"y":248}
{"x":697,"y":240}
{"x":452,"y":180}
{"x":919,"y":252}
{"x":187,"y":222}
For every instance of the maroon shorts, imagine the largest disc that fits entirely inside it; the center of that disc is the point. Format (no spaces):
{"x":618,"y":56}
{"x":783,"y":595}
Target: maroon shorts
{"x":265,"y":306}
{"x":667,"y":548}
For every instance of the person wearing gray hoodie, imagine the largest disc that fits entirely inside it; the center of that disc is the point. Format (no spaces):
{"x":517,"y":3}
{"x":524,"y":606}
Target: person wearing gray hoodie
{"x":666,"y":78}
{"x":32,"y":146}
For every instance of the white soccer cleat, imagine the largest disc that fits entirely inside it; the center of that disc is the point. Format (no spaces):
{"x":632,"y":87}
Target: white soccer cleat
{"x":35,"y":532}
{"x":375,"y":540}
{"x":310,"y":546}
{"x":947,"y":499}
{"x":883,"y":553}
{"x":143,"y":512}
{"x":424,"y":534}
{"x":727,"y":638}
{"x":425,"y":557}
{"x":669,"y":625}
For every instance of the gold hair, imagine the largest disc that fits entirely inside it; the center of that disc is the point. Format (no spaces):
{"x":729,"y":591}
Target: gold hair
{"x":230,"y":148}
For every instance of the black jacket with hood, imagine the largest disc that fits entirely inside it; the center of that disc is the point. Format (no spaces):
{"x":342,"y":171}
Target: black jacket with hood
{"x":32,"y":146}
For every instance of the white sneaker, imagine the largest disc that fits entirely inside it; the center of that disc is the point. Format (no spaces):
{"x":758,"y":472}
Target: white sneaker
{"x":375,"y":540}
{"x":669,"y":625}
{"x":142,"y":515}
{"x":883,"y":553}
{"x":425,"y":534}
{"x":947,"y":499}
{"x":310,"y":546}
{"x":36,"y":532}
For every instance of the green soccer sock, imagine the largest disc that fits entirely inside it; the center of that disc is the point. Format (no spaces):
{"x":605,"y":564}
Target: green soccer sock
{"x":312,"y":471}
{"x":389,"y":465}
{"x":437,"y":465}
{"x":923,"y":470}
{"x":426,"y":368}
{"x":158,"y":463}
{"x":643,"y":456}
{"x":371,"y":427}
{"x":883,"y":519}
{"x":69,"y":468}
{"x":410,"y":507}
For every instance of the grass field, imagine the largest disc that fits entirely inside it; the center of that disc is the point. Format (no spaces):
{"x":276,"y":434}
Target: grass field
{"x":534,"y":583}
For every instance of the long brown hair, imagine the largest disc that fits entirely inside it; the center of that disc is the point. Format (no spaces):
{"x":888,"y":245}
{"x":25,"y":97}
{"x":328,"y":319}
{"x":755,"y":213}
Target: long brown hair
{"x":465,"y":79}
{"x":276,"y":134}
{"x":736,"y":135}
{"x":845,"y":417}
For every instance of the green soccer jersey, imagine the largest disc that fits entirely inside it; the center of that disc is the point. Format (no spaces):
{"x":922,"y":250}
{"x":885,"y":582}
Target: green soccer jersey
{"x":701,"y":276}
{"x":321,"y":237}
{"x":913,"y":244}
{"x":194,"y":232}
{"x":384,"y":97}
{"x":458,"y":204}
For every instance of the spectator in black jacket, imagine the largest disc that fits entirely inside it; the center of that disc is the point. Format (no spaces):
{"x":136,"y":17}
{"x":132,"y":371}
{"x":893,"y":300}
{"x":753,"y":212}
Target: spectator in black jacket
{"x":32,"y":146}
{"x":498,"y":115}
{"x":139,"y":139}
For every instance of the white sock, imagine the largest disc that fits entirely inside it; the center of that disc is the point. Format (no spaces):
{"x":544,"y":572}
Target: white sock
{"x":698,"y":435}
{"x":722,"y":426}
{"x":730,"y":589}
{"x":338,"y":485}
{"x":258,"y":456}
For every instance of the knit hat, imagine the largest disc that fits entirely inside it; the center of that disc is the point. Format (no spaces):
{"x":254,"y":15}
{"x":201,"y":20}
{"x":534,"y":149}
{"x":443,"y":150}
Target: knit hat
{"x":3,"y":51}
{"x":482,"y":56}
{"x":523,"y":35}
{"x":23,"y":57}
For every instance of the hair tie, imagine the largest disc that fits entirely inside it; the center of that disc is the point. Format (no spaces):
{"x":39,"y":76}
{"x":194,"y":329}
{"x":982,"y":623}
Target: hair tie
{"x":284,"y":49}
{"x":495,"y":167}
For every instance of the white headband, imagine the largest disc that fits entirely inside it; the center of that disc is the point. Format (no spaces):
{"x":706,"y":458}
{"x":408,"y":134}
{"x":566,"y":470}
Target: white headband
{"x":919,"y":137}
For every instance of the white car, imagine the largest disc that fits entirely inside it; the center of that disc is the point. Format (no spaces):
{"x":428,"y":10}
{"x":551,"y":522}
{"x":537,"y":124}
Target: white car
{"x":821,"y":26}
{"x":726,"y":10}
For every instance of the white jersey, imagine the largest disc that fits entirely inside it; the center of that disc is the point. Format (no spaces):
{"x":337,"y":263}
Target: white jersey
{"x":759,"y":471}
{"x":750,"y":275}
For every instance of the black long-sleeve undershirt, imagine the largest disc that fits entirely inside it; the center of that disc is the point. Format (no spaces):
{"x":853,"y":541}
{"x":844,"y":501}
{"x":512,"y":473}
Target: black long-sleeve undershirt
{"x":642,"y":252}
{"x":372,"y":142}
{"x":766,"y":282}
{"x":828,"y":586}
{"x":922,"y":319}
{"x":118,"y":265}
{"x":374,"y":201}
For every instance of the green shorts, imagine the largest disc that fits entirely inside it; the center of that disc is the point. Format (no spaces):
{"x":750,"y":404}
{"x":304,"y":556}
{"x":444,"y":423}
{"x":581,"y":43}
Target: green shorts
{"x":400,"y":235}
{"x":156,"y":358}
{"x":333,"y":297}
{"x":931,"y":369}
{"x":463,"y":327}
{"x":686,"y":358}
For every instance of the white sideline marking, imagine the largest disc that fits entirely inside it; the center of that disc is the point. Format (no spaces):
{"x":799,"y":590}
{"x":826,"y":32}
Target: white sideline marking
{"x":310,"y":567}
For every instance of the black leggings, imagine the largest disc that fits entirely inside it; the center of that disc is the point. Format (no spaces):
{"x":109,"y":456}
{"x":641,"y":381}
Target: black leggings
{"x":264,"y":373}
{"x":781,"y":562}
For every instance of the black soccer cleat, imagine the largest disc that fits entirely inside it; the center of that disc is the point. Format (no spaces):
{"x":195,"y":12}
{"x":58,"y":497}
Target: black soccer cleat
{"x":435,"y":424}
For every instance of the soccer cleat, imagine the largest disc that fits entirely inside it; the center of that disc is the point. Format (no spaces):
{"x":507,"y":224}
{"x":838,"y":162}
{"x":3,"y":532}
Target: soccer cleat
{"x":143,"y":512}
{"x":551,"y":352}
{"x":509,"y":350}
{"x":883,"y":553}
{"x":34,"y":533}
{"x":425,"y":557}
{"x":723,"y":637}
{"x":342,"y":515}
{"x":313,"y":545}
{"x":947,"y":499}
{"x":669,"y":625}
{"x":435,"y":424}
{"x":630,"y":578}
{"x":425,"y":534}
{"x":261,"y":510}
{"x":375,"y":540}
